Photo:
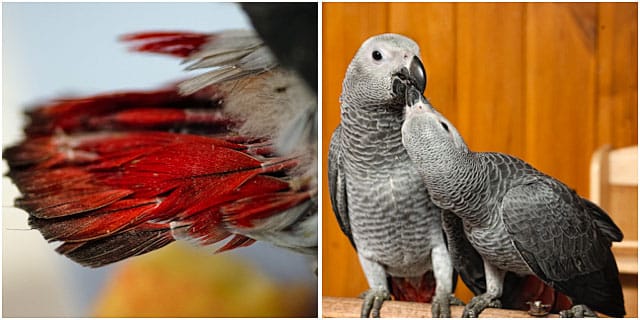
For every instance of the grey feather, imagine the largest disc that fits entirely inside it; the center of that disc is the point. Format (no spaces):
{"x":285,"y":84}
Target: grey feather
{"x":233,"y":55}
{"x":517,"y":218}
{"x":337,"y":185}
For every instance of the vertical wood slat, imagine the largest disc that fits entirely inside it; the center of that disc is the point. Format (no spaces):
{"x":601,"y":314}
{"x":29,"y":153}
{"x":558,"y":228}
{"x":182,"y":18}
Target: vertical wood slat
{"x":560,"y":95}
{"x":433,"y":27}
{"x":572,"y":87}
{"x":342,"y":276}
{"x":490,"y":86}
{"x":617,"y":117}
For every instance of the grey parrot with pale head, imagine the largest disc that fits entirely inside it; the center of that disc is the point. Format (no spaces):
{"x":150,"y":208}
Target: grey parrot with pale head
{"x":518,"y":219}
{"x":377,"y":195}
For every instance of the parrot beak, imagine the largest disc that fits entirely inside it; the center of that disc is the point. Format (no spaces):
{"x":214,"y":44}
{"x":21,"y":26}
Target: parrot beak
{"x":417,"y":104}
{"x":413,"y":76}
{"x":417,"y":75}
{"x":413,"y":96}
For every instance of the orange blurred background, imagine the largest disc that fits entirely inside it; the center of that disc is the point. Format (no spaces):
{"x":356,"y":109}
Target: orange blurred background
{"x":546,"y":82}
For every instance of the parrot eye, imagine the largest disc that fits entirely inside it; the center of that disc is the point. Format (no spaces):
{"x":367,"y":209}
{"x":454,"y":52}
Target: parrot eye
{"x":376,"y":55}
{"x":445,"y":126}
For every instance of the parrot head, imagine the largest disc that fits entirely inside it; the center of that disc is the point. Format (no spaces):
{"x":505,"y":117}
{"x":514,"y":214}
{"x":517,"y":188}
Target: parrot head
{"x":382,"y":69}
{"x":425,"y":130}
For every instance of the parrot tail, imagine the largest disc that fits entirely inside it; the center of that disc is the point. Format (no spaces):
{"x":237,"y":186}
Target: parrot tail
{"x":177,"y":44}
{"x":419,"y":289}
{"x":163,"y":109}
{"x":118,"y":175}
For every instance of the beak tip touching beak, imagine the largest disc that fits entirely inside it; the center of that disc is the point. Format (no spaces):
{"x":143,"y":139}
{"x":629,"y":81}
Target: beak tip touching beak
{"x":413,"y":96}
{"x":412,"y":76}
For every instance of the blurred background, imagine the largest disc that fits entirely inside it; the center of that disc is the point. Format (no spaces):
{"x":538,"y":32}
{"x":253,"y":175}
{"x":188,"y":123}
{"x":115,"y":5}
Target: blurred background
{"x":547,"y":82}
{"x":51,"y":50}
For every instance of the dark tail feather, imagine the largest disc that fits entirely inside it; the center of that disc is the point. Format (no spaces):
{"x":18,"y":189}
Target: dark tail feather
{"x":103,"y":251}
{"x":599,"y":290}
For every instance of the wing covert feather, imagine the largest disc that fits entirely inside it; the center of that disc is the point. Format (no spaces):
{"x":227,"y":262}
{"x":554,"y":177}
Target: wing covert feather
{"x":337,"y":185}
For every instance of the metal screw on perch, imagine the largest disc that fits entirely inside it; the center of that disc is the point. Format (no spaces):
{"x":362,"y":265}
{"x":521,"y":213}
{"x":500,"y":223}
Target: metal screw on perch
{"x":537,"y":309}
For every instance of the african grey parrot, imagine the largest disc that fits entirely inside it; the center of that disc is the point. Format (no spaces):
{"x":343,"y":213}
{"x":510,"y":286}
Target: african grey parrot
{"x":517,"y":218}
{"x":377,"y":195}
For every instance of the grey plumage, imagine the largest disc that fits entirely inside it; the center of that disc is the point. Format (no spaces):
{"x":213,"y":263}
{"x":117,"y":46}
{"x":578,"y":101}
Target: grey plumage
{"x":379,"y":199}
{"x":517,"y":218}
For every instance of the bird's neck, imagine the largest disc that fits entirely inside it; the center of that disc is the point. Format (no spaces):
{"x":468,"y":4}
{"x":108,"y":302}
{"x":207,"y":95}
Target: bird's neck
{"x":373,"y":136}
{"x":456,"y":181}
{"x":372,"y":125}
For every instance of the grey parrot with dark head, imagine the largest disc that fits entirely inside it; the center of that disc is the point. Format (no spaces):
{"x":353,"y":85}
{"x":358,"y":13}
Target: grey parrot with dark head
{"x":377,"y":195}
{"x":516,"y":218}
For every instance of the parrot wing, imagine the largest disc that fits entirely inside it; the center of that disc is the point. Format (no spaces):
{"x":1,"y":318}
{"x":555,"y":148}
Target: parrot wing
{"x":338,"y":185}
{"x":517,"y":290}
{"x":122,"y":174}
{"x":565,"y":242}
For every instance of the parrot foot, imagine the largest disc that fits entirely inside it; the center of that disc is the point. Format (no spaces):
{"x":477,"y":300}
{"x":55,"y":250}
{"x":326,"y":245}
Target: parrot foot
{"x":578,"y":311}
{"x":479,"y":303}
{"x":440,"y":305}
{"x":373,"y":299}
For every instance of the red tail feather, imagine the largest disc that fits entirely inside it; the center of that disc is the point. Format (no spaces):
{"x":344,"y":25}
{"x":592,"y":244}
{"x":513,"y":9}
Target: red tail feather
{"x":236,"y":242}
{"x":127,"y":111}
{"x":179,"y":44}
{"x":98,"y":224}
{"x":418,"y":290}
{"x":97,"y":174}
{"x":244,"y":212}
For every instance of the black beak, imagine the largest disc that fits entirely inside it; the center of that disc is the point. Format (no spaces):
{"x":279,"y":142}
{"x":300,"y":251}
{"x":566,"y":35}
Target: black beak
{"x":415,"y":76}
{"x":413,"y":96}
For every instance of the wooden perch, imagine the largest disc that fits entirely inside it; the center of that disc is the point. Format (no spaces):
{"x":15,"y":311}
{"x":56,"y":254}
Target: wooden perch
{"x":334,"y":307}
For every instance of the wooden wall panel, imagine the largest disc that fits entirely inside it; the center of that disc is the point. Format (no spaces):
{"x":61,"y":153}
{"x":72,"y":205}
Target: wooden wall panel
{"x":543,"y":81}
{"x":560,"y":95}
{"x":433,"y":26}
{"x":617,"y":117}
{"x":490,"y":68}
